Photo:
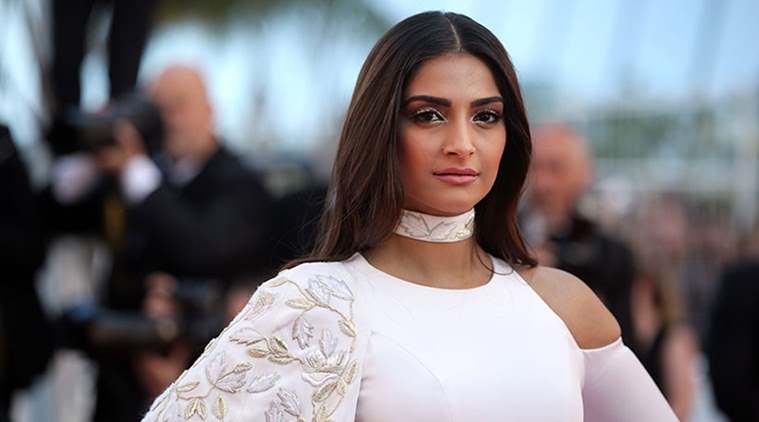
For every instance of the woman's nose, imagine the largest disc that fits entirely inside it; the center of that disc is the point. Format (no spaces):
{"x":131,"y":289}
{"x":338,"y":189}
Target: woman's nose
{"x":460,"y":140}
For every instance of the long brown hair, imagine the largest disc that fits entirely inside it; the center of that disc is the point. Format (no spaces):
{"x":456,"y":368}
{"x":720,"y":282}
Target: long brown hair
{"x":366,"y":194}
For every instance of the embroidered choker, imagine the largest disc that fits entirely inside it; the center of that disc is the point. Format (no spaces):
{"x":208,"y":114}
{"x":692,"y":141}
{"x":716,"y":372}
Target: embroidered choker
{"x":432,"y":228}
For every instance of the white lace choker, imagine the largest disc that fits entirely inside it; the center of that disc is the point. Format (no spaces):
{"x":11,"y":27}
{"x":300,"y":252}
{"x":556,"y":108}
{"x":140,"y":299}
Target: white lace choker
{"x":433,"y":228}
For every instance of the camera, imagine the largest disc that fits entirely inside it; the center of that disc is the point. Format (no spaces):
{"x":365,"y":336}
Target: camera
{"x":74,"y":130}
{"x":101,"y":331}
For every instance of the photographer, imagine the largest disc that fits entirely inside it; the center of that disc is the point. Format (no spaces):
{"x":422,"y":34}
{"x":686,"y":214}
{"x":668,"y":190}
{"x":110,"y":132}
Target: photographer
{"x":562,"y":172}
{"x":191,"y":212}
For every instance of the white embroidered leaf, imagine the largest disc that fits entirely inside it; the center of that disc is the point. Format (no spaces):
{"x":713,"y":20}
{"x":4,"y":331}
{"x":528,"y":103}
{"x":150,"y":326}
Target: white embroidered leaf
{"x":414,"y":225}
{"x":220,"y":408}
{"x":281,"y":359}
{"x":246,"y":336}
{"x":299,"y":303}
{"x":173,"y":413}
{"x":337,"y":287}
{"x":263,"y":382}
{"x":318,"y":379}
{"x":336,"y":361}
{"x":327,"y":342}
{"x":347,"y":328}
{"x":318,"y":291}
{"x":274,"y":413}
{"x":216,"y":367}
{"x":262,"y":302}
{"x":315,"y":360}
{"x":187,"y":387}
{"x":325,"y":390}
{"x":231,"y":382}
{"x":441,"y":231}
{"x":302,"y":332}
{"x":290,"y":401}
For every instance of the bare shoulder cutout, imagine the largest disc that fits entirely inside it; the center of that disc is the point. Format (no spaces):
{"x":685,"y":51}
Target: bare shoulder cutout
{"x":589,"y":321}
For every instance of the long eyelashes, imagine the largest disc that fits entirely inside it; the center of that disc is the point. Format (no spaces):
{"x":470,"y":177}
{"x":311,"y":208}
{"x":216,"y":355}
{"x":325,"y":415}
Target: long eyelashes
{"x":488,"y":116}
{"x":427,"y":114}
{"x":430,"y":114}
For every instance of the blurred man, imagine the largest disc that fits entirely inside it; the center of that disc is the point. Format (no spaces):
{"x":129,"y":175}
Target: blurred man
{"x":562,"y":173}
{"x":25,"y":332}
{"x":204,"y":216}
{"x":733,"y":342}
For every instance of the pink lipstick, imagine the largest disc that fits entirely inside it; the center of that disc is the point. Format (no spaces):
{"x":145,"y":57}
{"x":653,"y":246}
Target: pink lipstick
{"x":457,"y":176}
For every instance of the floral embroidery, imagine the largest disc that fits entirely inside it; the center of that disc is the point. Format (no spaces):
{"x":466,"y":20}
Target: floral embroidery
{"x":324,"y":365}
{"x":431,"y":228}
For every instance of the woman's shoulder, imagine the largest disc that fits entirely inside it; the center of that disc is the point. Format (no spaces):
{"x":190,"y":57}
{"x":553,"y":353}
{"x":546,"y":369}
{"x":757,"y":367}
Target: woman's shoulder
{"x":586,"y":317}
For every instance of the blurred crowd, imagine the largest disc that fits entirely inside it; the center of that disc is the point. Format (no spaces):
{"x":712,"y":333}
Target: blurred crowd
{"x":151,"y":234}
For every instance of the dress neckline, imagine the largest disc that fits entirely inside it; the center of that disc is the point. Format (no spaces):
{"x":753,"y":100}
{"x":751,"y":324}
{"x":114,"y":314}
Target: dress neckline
{"x":410,"y":285}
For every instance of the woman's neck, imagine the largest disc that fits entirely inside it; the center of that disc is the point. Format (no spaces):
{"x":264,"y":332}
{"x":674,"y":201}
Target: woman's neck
{"x":456,"y":265}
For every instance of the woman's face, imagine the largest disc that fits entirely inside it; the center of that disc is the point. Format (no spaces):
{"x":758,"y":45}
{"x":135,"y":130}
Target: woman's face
{"x":451,"y":135}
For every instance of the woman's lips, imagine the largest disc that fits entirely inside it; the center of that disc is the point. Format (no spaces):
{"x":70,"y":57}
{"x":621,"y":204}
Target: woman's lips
{"x":456,"y":176}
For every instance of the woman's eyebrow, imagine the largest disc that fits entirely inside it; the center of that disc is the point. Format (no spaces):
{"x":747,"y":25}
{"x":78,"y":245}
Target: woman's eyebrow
{"x":429,"y":99}
{"x":447,"y":103}
{"x":488,"y":100}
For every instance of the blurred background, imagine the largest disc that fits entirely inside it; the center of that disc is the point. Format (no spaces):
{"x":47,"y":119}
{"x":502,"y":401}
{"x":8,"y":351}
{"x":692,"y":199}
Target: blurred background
{"x":667,"y":94}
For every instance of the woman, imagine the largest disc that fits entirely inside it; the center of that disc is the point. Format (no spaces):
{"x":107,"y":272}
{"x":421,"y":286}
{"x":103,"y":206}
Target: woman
{"x":421,"y":303}
{"x":666,"y":343}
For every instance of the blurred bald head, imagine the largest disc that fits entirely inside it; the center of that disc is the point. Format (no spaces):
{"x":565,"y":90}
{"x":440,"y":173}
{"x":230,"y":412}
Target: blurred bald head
{"x":180,"y":93}
{"x":562,"y":170}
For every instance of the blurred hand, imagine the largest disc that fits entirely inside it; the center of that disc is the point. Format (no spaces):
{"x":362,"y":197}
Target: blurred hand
{"x":156,"y":371}
{"x":159,"y":301}
{"x":129,"y":143}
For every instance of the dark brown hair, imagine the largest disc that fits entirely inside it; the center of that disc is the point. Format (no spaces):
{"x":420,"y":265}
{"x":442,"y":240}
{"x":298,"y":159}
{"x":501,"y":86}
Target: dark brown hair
{"x":366,"y":194}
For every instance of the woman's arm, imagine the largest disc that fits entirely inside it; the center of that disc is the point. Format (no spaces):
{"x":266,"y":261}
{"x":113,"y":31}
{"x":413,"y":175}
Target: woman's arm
{"x":291,"y":354}
{"x":616,"y":386}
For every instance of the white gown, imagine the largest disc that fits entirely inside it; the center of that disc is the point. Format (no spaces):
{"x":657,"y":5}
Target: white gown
{"x":344,"y":341}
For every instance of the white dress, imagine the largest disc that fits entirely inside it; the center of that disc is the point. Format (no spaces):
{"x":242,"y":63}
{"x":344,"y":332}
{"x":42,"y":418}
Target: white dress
{"x":344,"y":341}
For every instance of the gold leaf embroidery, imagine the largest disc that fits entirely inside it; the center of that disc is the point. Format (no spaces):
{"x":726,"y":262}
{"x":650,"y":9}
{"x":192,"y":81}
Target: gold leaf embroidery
{"x":323,"y":413}
{"x":220,"y":408}
{"x":342,"y":387}
{"x":258,"y":352}
{"x":202,"y":410}
{"x":347,"y":328}
{"x":298,"y":303}
{"x":263,"y":302}
{"x":278,"y":346}
{"x":187,"y":387}
{"x":198,"y":407}
{"x":278,"y":282}
{"x":351,"y":372}
{"x":324,"y":391}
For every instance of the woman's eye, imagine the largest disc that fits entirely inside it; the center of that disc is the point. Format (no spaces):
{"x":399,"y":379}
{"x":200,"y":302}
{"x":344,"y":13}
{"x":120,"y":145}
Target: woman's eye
{"x":428,"y":116}
{"x":487,"y":116}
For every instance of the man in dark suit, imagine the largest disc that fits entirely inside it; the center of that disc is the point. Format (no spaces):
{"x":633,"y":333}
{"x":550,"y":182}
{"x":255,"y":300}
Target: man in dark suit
{"x":204,"y":216}
{"x":733,"y":343}
{"x":562,"y":172}
{"x":25,"y":333}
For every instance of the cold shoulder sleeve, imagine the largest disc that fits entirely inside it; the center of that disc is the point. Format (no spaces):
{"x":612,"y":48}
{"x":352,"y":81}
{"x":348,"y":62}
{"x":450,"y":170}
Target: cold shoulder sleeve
{"x":292,"y":354}
{"x":617,"y":388}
